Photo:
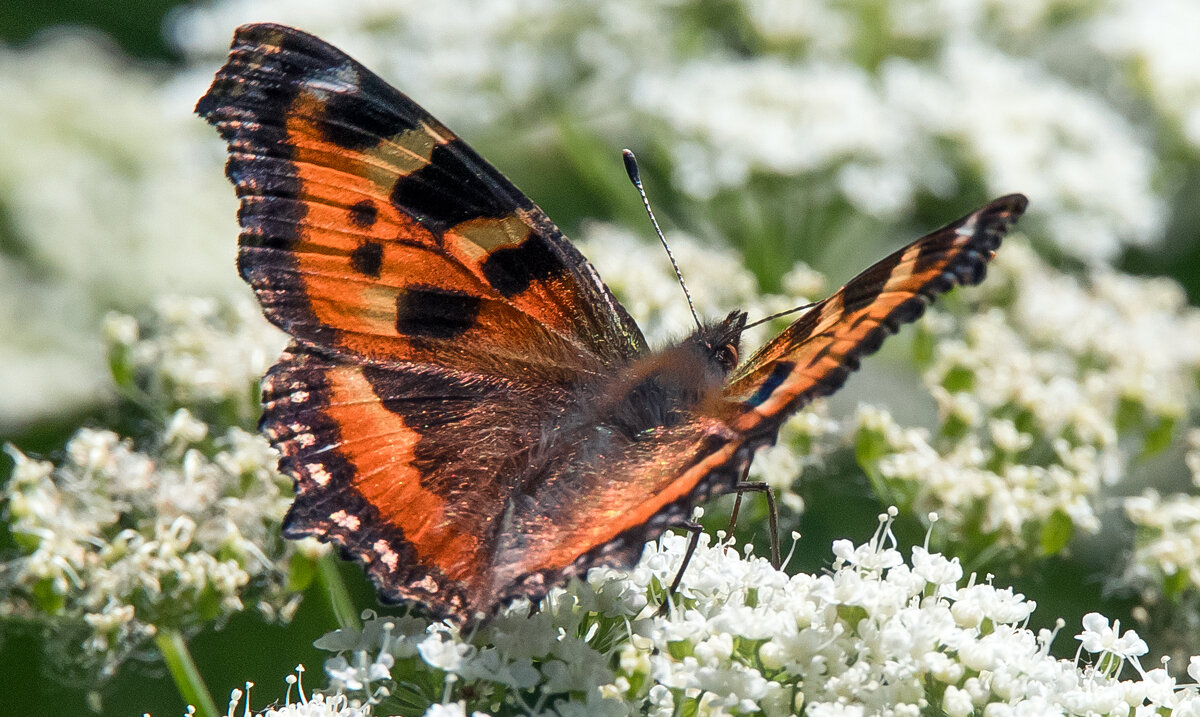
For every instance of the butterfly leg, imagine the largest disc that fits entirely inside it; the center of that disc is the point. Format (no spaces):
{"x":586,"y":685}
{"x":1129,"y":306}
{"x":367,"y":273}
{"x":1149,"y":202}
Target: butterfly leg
{"x":772,"y":514}
{"x":737,"y":502}
{"x":695,"y":529}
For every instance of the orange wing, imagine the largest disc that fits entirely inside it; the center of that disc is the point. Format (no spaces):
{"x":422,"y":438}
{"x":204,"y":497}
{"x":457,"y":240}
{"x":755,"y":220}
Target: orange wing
{"x":813,"y":356}
{"x":372,"y":231}
{"x":408,"y":471}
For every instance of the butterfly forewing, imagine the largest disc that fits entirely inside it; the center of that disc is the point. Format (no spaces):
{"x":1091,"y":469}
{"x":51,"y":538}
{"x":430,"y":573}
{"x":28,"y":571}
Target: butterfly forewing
{"x":403,"y":469}
{"x":812,"y":357}
{"x":372,"y":230}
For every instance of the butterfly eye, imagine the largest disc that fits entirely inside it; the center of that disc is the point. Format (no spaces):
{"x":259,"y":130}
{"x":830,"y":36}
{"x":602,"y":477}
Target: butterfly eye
{"x":727,"y":356}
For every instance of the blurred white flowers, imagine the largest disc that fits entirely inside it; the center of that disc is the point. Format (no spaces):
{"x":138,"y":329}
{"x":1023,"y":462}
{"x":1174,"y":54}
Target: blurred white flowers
{"x":113,"y":192}
{"x":1153,"y":49}
{"x":1166,"y":553}
{"x":201,"y":353}
{"x":907,"y":98}
{"x":110,"y":195}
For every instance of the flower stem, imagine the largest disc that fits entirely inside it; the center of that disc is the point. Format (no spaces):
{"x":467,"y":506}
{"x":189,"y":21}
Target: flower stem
{"x":335,"y":590}
{"x":183,"y":670}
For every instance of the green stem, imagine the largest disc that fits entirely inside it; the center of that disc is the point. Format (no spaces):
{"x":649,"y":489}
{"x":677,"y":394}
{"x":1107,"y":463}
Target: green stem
{"x":335,"y":589}
{"x":183,"y":670}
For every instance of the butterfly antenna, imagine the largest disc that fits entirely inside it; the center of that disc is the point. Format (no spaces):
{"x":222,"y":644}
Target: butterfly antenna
{"x":635,"y":176}
{"x":785,"y":312}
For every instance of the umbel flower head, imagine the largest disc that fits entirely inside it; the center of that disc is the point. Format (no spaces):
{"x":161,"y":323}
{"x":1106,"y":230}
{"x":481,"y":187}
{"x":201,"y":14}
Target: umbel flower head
{"x":877,"y":634}
{"x":117,"y":543}
{"x":121,"y":541}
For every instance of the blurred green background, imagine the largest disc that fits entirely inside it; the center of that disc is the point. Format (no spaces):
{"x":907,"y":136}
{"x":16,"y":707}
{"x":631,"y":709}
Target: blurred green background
{"x":136,"y":26}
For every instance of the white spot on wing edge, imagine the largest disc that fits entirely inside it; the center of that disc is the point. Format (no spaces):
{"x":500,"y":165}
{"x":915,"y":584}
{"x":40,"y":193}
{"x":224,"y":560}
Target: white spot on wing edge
{"x":342,"y":79}
{"x":345,"y":520}
{"x":317,"y":472}
{"x":386,"y":555}
{"x":968,"y":227}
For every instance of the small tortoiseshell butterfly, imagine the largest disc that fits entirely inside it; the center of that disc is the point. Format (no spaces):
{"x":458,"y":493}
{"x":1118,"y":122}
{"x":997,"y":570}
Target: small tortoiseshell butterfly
{"x":464,"y":406}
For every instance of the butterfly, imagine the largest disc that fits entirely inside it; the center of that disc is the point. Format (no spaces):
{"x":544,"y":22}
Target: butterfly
{"x":464,"y":406}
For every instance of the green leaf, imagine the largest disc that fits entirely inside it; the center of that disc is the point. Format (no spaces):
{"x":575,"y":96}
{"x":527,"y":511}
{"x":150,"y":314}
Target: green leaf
{"x":959,"y":380}
{"x":955,"y":428}
{"x":1056,"y":533}
{"x":1129,"y":414}
{"x":208,"y":603}
{"x":1175,"y":583}
{"x":120,"y":366}
{"x":923,"y":345}
{"x":869,"y":448}
{"x":301,"y":572}
{"x":1158,"y":438}
{"x":852,"y":615}
{"x":680,"y":649}
{"x":48,"y":600}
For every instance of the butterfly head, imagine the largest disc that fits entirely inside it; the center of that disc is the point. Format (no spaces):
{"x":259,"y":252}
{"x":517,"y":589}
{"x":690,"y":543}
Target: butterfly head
{"x":720,"y":342}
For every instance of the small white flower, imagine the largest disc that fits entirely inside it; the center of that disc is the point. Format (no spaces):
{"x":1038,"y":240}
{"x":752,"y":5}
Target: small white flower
{"x":1193,"y":668}
{"x":314,"y":705}
{"x":1098,"y":636}
{"x":442,"y":651}
{"x":934,"y":568}
{"x":452,"y":709}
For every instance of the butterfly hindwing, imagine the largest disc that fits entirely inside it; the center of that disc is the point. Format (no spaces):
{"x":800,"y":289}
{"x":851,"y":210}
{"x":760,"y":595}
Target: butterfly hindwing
{"x":813,"y":356}
{"x":403,"y":469}
{"x":432,"y":478}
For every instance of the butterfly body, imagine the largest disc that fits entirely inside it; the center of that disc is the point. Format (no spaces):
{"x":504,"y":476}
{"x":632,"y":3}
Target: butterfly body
{"x":465,"y":408}
{"x":615,"y":439}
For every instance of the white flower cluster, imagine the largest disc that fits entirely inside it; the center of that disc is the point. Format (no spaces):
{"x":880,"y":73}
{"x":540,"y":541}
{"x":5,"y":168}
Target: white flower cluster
{"x":201,"y":353}
{"x":1045,"y":401}
{"x":128,"y":542}
{"x":1166,"y":552}
{"x":315,"y":705}
{"x":876,"y":635}
{"x":111,"y":194}
{"x":885,"y":105}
